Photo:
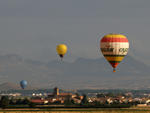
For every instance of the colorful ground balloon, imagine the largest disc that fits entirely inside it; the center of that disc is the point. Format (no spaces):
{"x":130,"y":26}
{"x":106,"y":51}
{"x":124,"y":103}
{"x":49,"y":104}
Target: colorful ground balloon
{"x":23,"y":84}
{"x":61,"y":50}
{"x":114,"y":47}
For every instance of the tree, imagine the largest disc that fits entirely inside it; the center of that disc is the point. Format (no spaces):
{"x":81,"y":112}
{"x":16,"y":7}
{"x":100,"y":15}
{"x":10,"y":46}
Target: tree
{"x":31,"y":104}
{"x":19,"y":101}
{"x":77,"y":95}
{"x":84,"y":100}
{"x":4,"y":103}
{"x":100,"y":95}
{"x":25,"y":101}
{"x":110,"y":95}
{"x":68,"y":100}
{"x":96,"y":103}
{"x":72,"y":101}
{"x":12,"y":101}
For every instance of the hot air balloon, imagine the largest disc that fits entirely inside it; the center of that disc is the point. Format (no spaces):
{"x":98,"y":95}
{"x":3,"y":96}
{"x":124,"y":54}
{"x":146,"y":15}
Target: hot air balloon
{"x":23,"y":84}
{"x":114,"y":48}
{"x":61,"y":50}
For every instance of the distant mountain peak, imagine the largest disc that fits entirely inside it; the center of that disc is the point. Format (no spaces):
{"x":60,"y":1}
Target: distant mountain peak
{"x":8,"y":86}
{"x":82,"y":73}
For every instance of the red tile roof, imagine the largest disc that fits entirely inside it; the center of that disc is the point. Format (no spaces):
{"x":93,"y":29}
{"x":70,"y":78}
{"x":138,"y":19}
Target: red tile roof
{"x":37,"y":101}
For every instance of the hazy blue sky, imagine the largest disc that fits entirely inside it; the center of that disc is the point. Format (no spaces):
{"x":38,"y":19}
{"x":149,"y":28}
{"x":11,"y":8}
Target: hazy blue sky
{"x":33,"y":28}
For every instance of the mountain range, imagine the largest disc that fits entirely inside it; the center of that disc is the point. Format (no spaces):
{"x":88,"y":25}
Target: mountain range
{"x":81,"y":74}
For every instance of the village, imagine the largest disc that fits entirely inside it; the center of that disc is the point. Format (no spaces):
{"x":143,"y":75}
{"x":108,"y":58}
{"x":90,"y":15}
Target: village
{"x":58,"y":98}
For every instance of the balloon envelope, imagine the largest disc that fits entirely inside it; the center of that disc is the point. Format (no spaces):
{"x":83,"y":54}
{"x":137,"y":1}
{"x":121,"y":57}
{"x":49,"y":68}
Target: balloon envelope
{"x":23,"y":84}
{"x":114,"y":47}
{"x":61,"y":50}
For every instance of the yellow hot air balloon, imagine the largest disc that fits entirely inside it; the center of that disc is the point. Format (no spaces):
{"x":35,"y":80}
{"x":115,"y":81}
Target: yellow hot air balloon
{"x":114,"y":47}
{"x":61,"y":50}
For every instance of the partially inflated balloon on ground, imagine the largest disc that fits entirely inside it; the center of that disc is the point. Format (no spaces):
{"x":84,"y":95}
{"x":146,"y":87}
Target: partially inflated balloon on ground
{"x":61,"y":50}
{"x":23,"y":84}
{"x":114,"y":47}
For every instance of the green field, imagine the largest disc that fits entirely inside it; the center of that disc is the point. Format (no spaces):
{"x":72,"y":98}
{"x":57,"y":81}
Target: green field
{"x":83,"y":110}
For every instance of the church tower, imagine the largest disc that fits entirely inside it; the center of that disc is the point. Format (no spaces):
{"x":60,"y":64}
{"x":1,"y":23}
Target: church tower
{"x":56,"y":91}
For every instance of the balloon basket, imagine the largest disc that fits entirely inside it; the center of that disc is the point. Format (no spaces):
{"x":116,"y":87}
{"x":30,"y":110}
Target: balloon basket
{"x":114,"y":70}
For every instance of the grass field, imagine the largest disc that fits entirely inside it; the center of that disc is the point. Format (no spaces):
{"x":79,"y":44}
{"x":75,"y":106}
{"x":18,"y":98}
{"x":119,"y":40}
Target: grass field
{"x":83,"y":110}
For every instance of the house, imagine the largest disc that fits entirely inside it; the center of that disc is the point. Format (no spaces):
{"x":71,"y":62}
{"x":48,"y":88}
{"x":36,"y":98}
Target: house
{"x":57,"y":96}
{"x":39,"y":101}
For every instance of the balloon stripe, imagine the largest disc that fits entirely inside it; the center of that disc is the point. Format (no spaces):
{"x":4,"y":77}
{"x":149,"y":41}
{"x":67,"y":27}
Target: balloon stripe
{"x":114,"y":36}
{"x":114,"y":48}
{"x":114,"y":61}
{"x":114,"y":40}
{"x":114,"y":65}
{"x":114,"y":58}
{"x":114,"y":55}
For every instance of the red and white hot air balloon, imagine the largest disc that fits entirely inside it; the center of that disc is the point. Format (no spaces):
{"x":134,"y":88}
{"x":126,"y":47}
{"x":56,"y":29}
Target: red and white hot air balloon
{"x":114,"y":47}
